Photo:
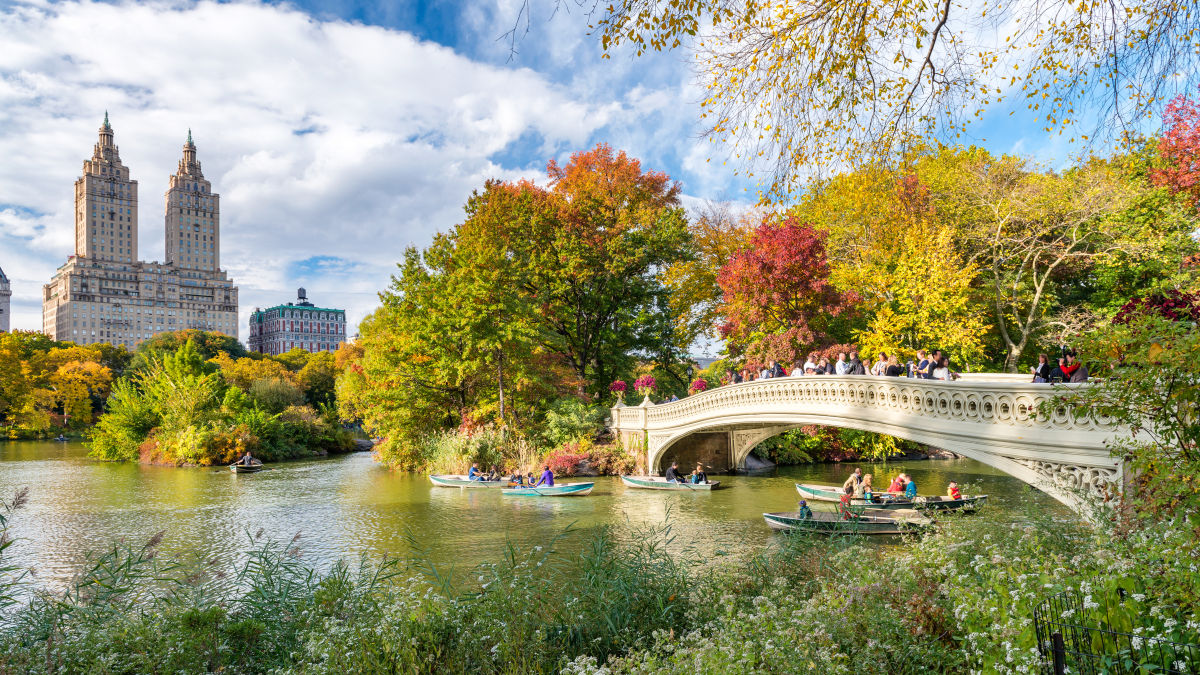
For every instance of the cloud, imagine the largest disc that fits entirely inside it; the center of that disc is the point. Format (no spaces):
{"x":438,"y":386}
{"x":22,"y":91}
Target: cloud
{"x":326,"y":139}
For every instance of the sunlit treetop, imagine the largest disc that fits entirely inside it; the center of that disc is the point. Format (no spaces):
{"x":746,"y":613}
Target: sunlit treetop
{"x":796,"y":89}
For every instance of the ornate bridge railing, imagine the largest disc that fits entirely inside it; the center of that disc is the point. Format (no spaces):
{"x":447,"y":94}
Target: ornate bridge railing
{"x":996,"y":422}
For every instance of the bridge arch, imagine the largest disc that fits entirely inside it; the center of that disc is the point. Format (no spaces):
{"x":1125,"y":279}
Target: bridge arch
{"x":994,"y":422}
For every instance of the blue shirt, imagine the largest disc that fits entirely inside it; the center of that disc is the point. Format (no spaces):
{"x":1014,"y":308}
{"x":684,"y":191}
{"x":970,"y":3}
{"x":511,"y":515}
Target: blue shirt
{"x":547,"y":479}
{"x":473,"y":474}
{"x":910,"y":490}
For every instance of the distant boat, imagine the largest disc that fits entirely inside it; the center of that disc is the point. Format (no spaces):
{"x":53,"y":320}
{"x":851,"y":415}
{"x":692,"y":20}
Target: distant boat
{"x":564,"y":490}
{"x":246,"y":468}
{"x":461,"y":481}
{"x":660,"y":483}
{"x":823,"y":522}
{"x":60,"y":438}
{"x":885,"y":501}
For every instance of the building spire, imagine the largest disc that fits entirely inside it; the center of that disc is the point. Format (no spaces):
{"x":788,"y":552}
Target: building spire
{"x":106,"y":125}
{"x":190,"y":136}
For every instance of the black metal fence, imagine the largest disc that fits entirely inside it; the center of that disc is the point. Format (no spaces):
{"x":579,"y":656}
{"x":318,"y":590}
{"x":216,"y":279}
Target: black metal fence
{"x":1075,"y":639}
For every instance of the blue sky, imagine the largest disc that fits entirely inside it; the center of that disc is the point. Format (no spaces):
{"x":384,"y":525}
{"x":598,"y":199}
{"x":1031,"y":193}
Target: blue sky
{"x":337,"y":132}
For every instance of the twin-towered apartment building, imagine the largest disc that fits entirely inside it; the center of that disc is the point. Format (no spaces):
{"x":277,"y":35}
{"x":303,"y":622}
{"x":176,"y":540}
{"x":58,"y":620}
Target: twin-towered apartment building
{"x":104,"y":293}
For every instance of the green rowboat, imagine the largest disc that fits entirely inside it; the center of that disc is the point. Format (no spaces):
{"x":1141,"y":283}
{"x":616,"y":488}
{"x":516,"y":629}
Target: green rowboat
{"x":246,"y":468}
{"x":833,"y":523}
{"x":460,"y":481}
{"x":660,"y":483}
{"x":884,"y":501}
{"x":564,"y":490}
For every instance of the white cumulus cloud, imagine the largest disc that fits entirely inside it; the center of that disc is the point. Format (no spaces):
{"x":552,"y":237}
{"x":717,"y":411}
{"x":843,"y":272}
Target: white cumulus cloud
{"x":333,"y":144}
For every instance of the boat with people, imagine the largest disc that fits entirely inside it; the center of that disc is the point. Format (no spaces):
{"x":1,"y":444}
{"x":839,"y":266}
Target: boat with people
{"x":661,"y":483}
{"x":463,"y":481}
{"x":254,"y":467}
{"x":563,"y":490}
{"x":822,"y":522}
{"x":60,"y":438}
{"x":887,"y":501}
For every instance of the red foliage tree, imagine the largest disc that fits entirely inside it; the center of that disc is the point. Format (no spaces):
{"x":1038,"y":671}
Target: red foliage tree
{"x":1173,"y":305}
{"x":1179,"y":149}
{"x":778,"y":300}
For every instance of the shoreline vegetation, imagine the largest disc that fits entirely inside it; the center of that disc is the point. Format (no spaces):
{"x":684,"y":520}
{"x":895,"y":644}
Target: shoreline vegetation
{"x":958,"y":600}
{"x":181,"y":409}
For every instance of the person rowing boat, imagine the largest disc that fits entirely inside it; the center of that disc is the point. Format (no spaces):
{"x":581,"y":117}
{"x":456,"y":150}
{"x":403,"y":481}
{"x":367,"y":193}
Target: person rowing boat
{"x":547,"y":478}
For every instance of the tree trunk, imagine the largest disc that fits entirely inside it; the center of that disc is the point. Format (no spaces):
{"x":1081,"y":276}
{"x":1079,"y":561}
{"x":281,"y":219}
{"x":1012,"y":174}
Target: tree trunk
{"x":500,"y":381}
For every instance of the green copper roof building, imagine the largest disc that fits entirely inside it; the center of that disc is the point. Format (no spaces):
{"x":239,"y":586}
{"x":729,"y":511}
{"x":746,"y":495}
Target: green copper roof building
{"x":296,"y":325}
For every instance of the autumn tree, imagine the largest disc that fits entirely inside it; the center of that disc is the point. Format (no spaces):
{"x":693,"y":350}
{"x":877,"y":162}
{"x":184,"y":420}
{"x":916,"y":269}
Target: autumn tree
{"x":207,"y":343}
{"x":1027,"y":229}
{"x":718,"y":231}
{"x":592,"y":263}
{"x":778,"y":298}
{"x":887,"y":243}
{"x":44,"y":383}
{"x":1179,"y":149}
{"x":796,"y":87}
{"x":243,"y":372}
{"x":540,"y":292}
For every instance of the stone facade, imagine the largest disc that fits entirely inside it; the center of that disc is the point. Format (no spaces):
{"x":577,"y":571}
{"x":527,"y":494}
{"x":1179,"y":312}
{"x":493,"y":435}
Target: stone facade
{"x":277,"y":329}
{"x":103,"y":293}
{"x":5,"y":303}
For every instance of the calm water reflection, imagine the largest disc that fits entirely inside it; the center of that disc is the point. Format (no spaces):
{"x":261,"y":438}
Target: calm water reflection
{"x":346,"y":506}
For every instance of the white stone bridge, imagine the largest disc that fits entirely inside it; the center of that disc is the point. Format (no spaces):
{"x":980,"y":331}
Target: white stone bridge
{"x":989,"y":418}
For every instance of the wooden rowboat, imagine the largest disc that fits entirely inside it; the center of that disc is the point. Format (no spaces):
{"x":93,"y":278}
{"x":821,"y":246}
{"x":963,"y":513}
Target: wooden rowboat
{"x":461,"y":481}
{"x":564,"y":490}
{"x":884,"y":501}
{"x":832,"y":523}
{"x":660,"y":483}
{"x":246,"y":468}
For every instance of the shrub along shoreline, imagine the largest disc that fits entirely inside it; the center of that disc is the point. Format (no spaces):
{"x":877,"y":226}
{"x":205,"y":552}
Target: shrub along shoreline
{"x":183,"y":410}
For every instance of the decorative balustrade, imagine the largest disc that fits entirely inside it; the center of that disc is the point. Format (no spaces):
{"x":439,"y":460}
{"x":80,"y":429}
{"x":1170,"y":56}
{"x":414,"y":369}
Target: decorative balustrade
{"x":980,"y":402}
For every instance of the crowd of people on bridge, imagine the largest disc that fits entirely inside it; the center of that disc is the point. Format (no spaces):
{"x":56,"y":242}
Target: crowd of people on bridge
{"x":929,"y":365}
{"x":932,"y":365}
{"x":1069,"y":369}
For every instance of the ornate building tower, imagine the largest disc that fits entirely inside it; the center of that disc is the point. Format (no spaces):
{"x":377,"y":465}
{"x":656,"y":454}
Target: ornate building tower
{"x":106,"y":205}
{"x":193,"y":216}
{"x":5,"y":302}
{"x":103,"y":293}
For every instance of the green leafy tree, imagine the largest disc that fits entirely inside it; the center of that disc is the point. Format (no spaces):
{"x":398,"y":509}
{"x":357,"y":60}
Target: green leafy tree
{"x":538,"y":293}
{"x":207,"y":344}
{"x":275,"y":395}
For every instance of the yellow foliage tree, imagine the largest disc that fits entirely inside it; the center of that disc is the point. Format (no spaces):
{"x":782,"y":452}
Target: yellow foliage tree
{"x":718,"y":231}
{"x":243,"y":372}
{"x":887,"y":243}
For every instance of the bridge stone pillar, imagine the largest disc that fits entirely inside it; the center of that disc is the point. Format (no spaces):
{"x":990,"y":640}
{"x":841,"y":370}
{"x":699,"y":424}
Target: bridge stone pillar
{"x":742,"y":441}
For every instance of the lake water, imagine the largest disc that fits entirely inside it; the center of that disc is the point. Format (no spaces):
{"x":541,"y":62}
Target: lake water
{"x":349,"y":505}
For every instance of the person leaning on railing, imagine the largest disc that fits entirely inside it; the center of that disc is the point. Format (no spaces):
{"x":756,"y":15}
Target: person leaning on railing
{"x":1041,"y":372}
